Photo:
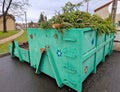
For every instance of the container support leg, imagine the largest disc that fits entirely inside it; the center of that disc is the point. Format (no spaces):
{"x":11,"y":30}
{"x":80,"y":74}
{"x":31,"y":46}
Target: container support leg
{"x":38,"y":65}
{"x":54,"y":68}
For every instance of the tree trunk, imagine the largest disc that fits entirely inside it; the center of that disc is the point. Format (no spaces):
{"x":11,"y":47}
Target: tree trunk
{"x":5,"y":13}
{"x":4,"y":23}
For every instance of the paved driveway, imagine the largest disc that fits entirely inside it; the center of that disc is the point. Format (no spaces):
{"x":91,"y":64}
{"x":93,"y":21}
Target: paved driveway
{"x":20,"y":77}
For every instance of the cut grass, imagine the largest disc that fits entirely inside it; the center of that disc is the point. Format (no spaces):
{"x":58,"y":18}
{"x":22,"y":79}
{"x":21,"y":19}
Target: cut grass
{"x":4,"y":47}
{"x":7,"y":34}
{"x":22,"y":38}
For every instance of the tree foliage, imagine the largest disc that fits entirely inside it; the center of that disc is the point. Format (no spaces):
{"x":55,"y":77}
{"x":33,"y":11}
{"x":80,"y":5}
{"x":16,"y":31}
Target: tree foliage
{"x":42,"y":20}
{"x":69,"y":7}
{"x":30,"y":24}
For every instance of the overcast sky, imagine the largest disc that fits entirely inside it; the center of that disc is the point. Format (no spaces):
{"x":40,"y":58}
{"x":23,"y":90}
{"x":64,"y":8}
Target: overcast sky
{"x":49,"y":7}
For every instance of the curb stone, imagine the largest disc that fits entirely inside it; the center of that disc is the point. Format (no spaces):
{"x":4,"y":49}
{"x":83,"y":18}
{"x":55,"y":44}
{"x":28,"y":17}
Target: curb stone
{"x":4,"y":54}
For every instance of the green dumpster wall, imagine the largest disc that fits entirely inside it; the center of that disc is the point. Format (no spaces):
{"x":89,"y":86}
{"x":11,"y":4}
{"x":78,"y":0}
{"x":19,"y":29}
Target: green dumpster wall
{"x":69,"y":57}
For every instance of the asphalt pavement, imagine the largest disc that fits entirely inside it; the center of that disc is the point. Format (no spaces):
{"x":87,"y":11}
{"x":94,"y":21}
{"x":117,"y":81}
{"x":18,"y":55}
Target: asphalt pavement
{"x":20,"y":77}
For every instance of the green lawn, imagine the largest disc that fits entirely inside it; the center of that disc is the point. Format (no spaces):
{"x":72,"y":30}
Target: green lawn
{"x":7,"y":34}
{"x":4,"y":47}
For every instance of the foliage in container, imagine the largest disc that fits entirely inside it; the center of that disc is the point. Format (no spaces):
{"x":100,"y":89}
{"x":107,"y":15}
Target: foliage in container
{"x":72,"y":17}
{"x":102,"y":25}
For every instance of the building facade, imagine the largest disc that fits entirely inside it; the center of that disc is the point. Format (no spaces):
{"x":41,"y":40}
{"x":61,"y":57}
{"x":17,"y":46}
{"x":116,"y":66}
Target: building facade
{"x":10,"y":23}
{"x":103,"y":12}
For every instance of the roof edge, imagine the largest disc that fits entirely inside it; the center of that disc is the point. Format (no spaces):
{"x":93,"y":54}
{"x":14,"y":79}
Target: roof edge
{"x":10,"y":15}
{"x":103,"y":6}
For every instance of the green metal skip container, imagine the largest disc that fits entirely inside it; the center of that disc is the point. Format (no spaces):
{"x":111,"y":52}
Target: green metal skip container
{"x":68,"y":57}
